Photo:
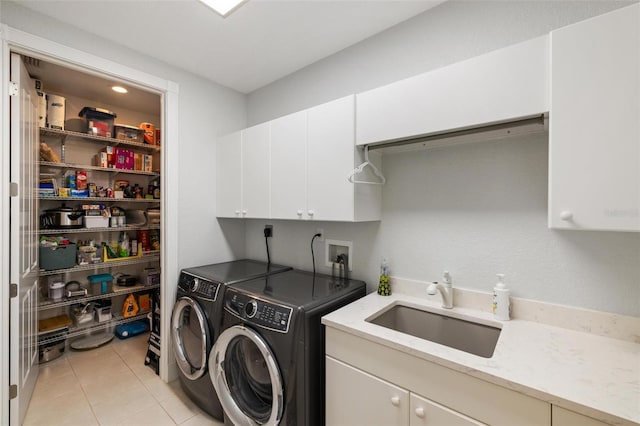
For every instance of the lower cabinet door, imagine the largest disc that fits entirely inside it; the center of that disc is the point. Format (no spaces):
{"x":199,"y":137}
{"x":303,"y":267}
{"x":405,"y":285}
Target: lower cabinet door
{"x":562,"y":417}
{"x":426,"y":412}
{"x":357,"y":398}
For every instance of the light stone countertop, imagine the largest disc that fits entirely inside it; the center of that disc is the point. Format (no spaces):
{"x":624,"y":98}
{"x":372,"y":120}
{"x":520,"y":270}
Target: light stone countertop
{"x":583,"y":372}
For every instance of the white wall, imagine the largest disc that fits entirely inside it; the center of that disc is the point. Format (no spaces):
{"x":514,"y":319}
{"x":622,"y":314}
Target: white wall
{"x":474,"y":210}
{"x":205,"y":110}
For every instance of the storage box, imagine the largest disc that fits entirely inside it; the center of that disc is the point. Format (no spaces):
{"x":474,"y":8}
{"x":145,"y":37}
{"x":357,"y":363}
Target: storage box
{"x":102,"y":310}
{"x":81,"y":314}
{"x":88,"y":255}
{"x":96,"y":222}
{"x":150,"y":276}
{"x":124,"y":159}
{"x":129,"y":133}
{"x":147,"y":163}
{"x":59,"y":257}
{"x":99,"y":121}
{"x":80,"y":193}
{"x":101,"y":283}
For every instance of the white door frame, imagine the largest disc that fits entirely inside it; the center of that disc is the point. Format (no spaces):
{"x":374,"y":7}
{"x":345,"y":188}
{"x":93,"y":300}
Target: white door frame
{"x":22,"y":42}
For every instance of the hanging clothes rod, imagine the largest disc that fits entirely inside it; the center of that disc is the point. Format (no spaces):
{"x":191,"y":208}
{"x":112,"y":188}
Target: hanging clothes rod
{"x":521,"y":126}
{"x":360,"y":169}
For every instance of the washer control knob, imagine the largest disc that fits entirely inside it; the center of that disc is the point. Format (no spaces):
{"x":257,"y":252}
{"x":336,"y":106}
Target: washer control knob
{"x":251,"y":308}
{"x":195,"y":285}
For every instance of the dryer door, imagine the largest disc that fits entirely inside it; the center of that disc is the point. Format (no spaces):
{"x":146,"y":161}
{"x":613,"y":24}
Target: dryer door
{"x":191,"y":337}
{"x":246,"y":377}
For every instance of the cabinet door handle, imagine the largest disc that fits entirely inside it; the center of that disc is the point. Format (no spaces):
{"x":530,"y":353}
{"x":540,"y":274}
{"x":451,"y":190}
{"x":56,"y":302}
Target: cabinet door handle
{"x":395,"y":401}
{"x":310,"y":213}
{"x":420,"y":412}
{"x":299,"y":213}
{"x":566,"y":215}
{"x":237,"y":212}
{"x":244,"y":212}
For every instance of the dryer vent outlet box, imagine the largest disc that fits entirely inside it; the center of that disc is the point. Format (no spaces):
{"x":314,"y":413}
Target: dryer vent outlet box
{"x":334,"y":248}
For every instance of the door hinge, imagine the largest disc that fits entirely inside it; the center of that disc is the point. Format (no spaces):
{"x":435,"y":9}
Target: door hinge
{"x":13,"y":88}
{"x":13,"y":391}
{"x":13,"y":189}
{"x":13,"y":291}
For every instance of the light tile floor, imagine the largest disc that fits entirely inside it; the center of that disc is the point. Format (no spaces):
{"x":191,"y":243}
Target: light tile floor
{"x":110,"y":386}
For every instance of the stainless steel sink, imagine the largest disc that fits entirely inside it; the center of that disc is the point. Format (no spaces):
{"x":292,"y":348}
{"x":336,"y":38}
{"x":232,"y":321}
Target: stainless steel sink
{"x":474,"y":338}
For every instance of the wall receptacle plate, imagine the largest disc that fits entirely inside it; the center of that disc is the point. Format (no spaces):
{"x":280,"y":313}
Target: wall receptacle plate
{"x":333,"y":248}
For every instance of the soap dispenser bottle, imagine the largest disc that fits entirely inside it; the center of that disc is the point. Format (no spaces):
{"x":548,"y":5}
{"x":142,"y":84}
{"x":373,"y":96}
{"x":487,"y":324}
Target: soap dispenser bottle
{"x":501,"y":305}
{"x":384,"y":287}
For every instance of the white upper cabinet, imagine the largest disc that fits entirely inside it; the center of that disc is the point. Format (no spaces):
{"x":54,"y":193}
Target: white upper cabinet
{"x":330,"y":158}
{"x":255,"y":171}
{"x":594,"y":129}
{"x":229,"y":175}
{"x":496,"y":87}
{"x":242,"y":173}
{"x":289,"y":166}
{"x":296,"y":167}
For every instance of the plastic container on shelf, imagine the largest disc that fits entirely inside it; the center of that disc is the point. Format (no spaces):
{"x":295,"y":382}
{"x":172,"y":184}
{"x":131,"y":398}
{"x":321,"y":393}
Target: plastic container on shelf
{"x":56,"y":290}
{"x":101,"y":283}
{"x":99,"y":121}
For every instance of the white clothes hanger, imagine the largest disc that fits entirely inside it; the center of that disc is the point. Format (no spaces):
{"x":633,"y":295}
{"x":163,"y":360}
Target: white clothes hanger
{"x":361,"y":167}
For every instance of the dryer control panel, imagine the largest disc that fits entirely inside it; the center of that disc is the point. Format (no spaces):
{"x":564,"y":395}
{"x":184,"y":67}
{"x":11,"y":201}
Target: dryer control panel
{"x":258,"y":312}
{"x":198,"y":286}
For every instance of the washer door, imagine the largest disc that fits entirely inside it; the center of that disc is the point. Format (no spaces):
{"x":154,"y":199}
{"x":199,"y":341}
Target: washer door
{"x":246,"y":377}
{"x":191,"y":339}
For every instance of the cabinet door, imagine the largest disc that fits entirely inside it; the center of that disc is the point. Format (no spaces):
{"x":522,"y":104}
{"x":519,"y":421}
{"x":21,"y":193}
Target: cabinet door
{"x":330,"y":159}
{"x":425,"y":412}
{"x":562,"y":417}
{"x":229,"y":175}
{"x":255,"y":171}
{"x":357,"y":398}
{"x":503,"y":85}
{"x":289,"y":166}
{"x":594,"y":142}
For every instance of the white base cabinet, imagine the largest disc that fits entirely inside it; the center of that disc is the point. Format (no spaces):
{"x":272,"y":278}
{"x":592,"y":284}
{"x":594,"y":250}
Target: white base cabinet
{"x":562,"y":417}
{"x":368,"y":383}
{"x":358,"y":398}
{"x":594,"y":125}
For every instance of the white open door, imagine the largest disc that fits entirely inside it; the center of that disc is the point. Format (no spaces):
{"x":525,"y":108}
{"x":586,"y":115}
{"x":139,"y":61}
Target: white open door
{"x":23,"y":356}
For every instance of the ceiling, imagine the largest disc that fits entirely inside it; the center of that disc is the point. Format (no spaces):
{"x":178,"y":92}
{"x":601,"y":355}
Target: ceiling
{"x":69,"y":81}
{"x":262,"y":41}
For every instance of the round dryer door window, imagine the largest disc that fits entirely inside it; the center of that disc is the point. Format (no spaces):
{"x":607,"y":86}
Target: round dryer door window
{"x":246,"y":377}
{"x":191,"y":340}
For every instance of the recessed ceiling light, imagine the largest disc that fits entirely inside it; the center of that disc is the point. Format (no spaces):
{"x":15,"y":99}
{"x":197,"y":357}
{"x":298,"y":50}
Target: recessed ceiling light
{"x":223,"y":7}
{"x":119,"y":89}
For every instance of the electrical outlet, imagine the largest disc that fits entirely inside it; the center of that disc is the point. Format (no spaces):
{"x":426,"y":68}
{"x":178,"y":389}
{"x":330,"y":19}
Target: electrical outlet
{"x":321,"y":232}
{"x":268,"y":231}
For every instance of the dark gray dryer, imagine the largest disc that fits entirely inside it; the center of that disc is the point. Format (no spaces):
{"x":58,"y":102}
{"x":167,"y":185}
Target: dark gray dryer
{"x":267,"y":365}
{"x":196,"y":319}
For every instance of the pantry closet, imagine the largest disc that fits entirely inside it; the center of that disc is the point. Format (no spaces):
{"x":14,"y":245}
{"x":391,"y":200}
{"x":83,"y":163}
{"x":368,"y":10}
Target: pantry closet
{"x":90,"y":194}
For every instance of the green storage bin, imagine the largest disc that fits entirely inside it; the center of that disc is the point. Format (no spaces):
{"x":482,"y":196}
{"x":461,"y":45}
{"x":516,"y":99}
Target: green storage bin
{"x":59,"y":257}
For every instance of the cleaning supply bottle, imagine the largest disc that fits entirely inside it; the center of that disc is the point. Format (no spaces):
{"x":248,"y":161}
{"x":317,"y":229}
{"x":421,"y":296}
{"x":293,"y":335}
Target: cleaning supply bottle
{"x":384,"y":287}
{"x":501,"y":305}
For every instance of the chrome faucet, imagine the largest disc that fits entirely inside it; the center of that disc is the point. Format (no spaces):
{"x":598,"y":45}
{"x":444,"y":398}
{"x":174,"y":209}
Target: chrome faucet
{"x":445,"y":289}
